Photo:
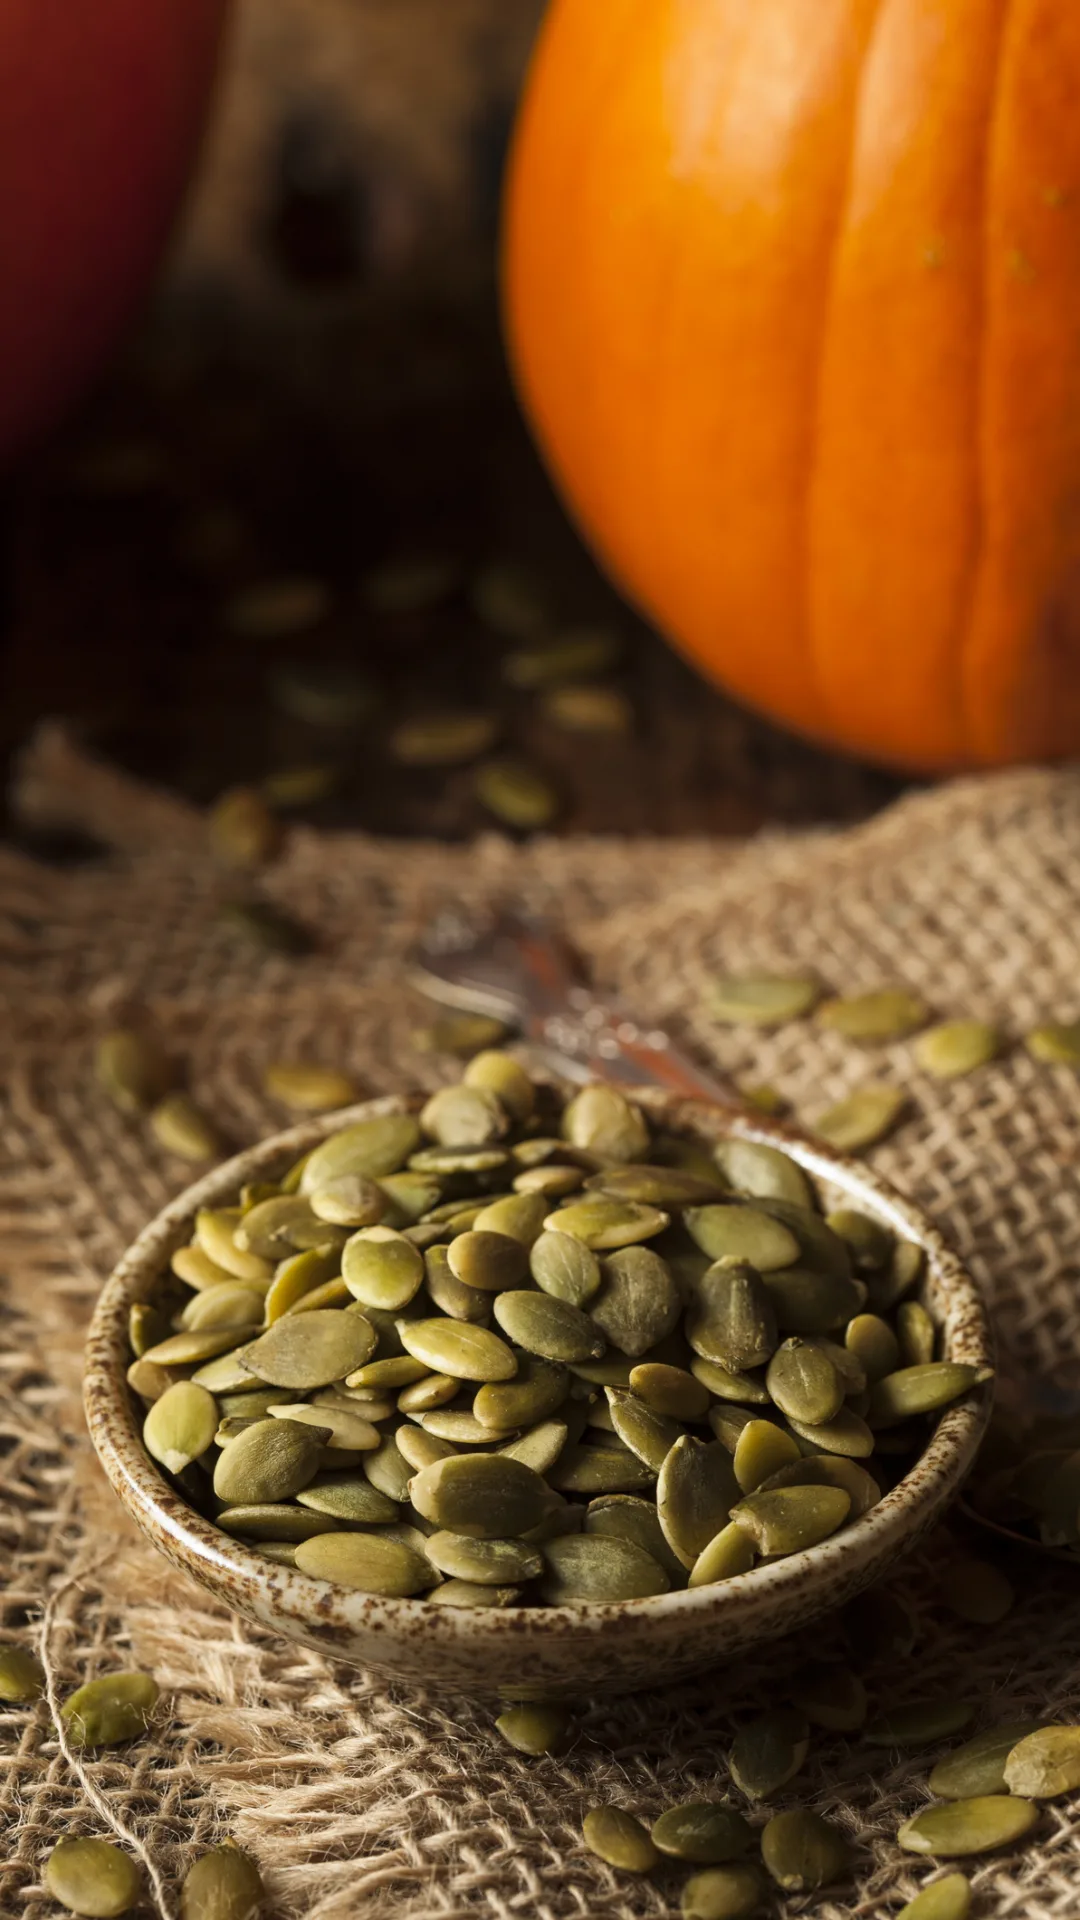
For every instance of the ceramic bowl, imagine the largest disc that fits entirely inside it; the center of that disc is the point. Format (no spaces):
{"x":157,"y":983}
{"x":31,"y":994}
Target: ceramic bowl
{"x":557,"y":1651}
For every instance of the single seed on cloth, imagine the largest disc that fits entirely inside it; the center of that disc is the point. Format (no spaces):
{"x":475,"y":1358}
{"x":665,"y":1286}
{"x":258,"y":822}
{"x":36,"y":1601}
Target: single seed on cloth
{"x":311,"y":1349}
{"x":274,"y":1521}
{"x":565,"y":1268}
{"x":670,"y":1390}
{"x":638,"y":1303}
{"x":731,"y":1319}
{"x":978,"y":1767}
{"x":269,"y":1461}
{"x":888,"y":1013}
{"x":343,"y":1427}
{"x":381,"y":1268}
{"x":1046,"y":1764}
{"x":534,"y":1728}
{"x":22,"y":1678}
{"x":486,"y":1496}
{"x":620,"y":1840}
{"x":556,"y":659}
{"x":919,"y":1724}
{"x":443,"y":739}
{"x":107,"y":1711}
{"x":762,"y":999}
{"x":649,"y":1435}
{"x":919,"y":1389}
{"x":551,"y":1328}
{"x":589,"y":709}
{"x":735,"y":1891}
{"x":372,"y":1147}
{"x":769,"y":1751}
{"x":516,"y":793}
{"x":366,"y":1561}
{"x":706,"y":1832}
{"x":862,"y":1119}
{"x":956,"y":1047}
{"x":761,"y":1449}
{"x":803,"y":1852}
{"x":134,"y":1070}
{"x":1055,"y":1043}
{"x":976,"y":1591}
{"x":600,"y":1120}
{"x":592,"y":1569}
{"x":345,"y":1497}
{"x":307,"y":1086}
{"x":223,"y":1884}
{"x":695,"y":1494}
{"x":738,"y":1231}
{"x":831,"y":1695}
{"x":960,"y":1827}
{"x":92,"y":1878}
{"x":728,"y":1554}
{"x":183,"y":1129}
{"x":492,"y":1563}
{"x":180,"y":1426}
{"x":947,"y":1899}
{"x":455,"y":1347}
{"x":538,"y":1389}
{"x":804,"y":1384}
{"x":792,"y":1518}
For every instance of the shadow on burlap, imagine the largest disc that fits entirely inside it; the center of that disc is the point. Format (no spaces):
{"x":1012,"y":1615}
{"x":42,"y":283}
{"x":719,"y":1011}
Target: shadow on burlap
{"x":357,"y":1796}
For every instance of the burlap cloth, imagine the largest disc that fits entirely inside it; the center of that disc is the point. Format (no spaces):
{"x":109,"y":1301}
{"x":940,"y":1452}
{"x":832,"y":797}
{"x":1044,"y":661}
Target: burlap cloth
{"x":355,"y":1797}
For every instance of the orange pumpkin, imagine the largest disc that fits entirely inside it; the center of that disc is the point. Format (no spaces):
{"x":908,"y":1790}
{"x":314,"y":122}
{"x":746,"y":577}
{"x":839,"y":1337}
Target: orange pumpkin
{"x":793,"y":296}
{"x":101,"y":102}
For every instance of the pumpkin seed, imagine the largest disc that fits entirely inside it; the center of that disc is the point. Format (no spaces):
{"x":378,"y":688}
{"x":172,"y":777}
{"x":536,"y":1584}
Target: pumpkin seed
{"x":976,"y":1591}
{"x":443,"y":739}
{"x":347,"y":1498}
{"x":592,"y":1470}
{"x":978,"y":1767}
{"x":146,"y":1328}
{"x":486,"y":1496}
{"x":22,"y":1678}
{"x":180,"y":1426}
{"x":607,"y":1224}
{"x":507,"y":598}
{"x":947,"y":1899}
{"x":498,"y":1073}
{"x":803,"y":1852}
{"x":888,"y":1013}
{"x":551,"y":1328}
{"x":387,"y":1470}
{"x":230,"y":1305}
{"x":345,"y":1428}
{"x":181,"y":1128}
{"x":806,"y":1302}
{"x":915,"y":1334}
{"x":268,"y":1462}
{"x":400,"y":1370}
{"x":462,"y":1430}
{"x":728,"y":1554}
{"x":301,"y":786}
{"x":538,"y":1390}
{"x":553,"y":1182}
{"x":956,"y":1047}
{"x":307,"y":1086}
{"x":790,"y":1519}
{"x":731,"y":1320}
{"x":369,"y":1562}
{"x":706,"y":1832}
{"x":870,"y":1244}
{"x":670,"y":1390}
{"x":1055,"y":1043}
{"x":434,"y":1390}
{"x":465,"y":1352}
{"x":107,"y":1711}
{"x":919,"y":1389}
{"x":488,"y":1261}
{"x":769,"y":1751}
{"x":596,"y":1569}
{"x":277,"y":1228}
{"x":196,"y":1269}
{"x":540,"y":1447}
{"x":649,"y":1435}
{"x":470,"y":1160}
{"x":960,"y":1827}
{"x":695,"y":1494}
{"x":92,"y":1878}
{"x":737,"y":1231}
{"x":804,"y":1384}
{"x":534,"y":1728}
{"x":332,"y":1293}
{"x":731,"y":1892}
{"x":381,"y":1268}
{"x":419,"y":1448}
{"x":618,"y":1839}
{"x":449,"y":1295}
{"x":274,"y":1522}
{"x":1045,"y":1764}
{"x":372,"y":1147}
{"x":874,"y":1344}
{"x":460,"y":1033}
{"x":764,"y":1172}
{"x":467,"y":1593}
{"x":133,"y":1069}
{"x":656,"y":1186}
{"x":191,"y":1349}
{"x":623,"y":1516}
{"x":297,"y":1277}
{"x":495,"y":1563}
{"x":308,"y":1350}
{"x":845,"y":1433}
{"x":412,"y":583}
{"x":828,"y":1470}
{"x":227,"y":1375}
{"x":148,"y":1380}
{"x":571,"y":656}
{"x":723,"y":1383}
{"x":919,"y":1724}
{"x":761,"y":1449}
{"x":762,"y":999}
{"x":462,"y":1117}
{"x":242,"y":829}
{"x":830,"y":1695}
{"x":516,"y":793}
{"x":223,"y":1884}
{"x":862,"y":1119}
{"x":565,"y":1268}
{"x":638,"y":1304}
{"x":905,"y":1269}
{"x":600,"y":1120}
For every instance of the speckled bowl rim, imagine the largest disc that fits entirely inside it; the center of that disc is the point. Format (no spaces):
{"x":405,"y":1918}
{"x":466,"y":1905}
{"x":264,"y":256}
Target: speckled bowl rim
{"x":276,"y":1594}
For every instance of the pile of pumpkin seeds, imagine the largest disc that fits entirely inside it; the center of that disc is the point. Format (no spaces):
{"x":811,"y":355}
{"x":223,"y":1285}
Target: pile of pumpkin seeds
{"x":515,"y":1351}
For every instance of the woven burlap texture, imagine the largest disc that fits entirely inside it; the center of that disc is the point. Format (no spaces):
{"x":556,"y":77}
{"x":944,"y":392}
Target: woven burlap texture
{"x":357,"y":1797}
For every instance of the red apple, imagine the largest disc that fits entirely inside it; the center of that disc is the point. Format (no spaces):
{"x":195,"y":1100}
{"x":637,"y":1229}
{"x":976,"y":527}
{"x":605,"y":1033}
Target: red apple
{"x":101,"y":105}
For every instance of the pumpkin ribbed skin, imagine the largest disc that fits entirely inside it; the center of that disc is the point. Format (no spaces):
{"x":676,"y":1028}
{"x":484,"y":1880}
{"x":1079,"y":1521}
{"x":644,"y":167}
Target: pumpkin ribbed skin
{"x":792,"y":292}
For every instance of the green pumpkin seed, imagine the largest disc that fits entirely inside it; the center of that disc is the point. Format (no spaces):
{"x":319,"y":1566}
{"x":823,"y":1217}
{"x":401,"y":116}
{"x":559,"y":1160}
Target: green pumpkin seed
{"x":22,"y":1678}
{"x":874,"y":1344}
{"x":737,"y":1231}
{"x":412,"y":583}
{"x":724,"y":1383}
{"x":146,"y":1328}
{"x":468,"y":1593}
{"x":215,"y":1231}
{"x":706,"y":1832}
{"x":804,"y":1384}
{"x":565,"y":1268}
{"x":149,"y":1381}
{"x":956,"y":1047}
{"x":535,"y":1728}
{"x":551,"y":1328}
{"x":919,"y":1724}
{"x":434,"y":1390}
{"x":769,"y":1751}
{"x":421,"y":1449}
{"x":551,"y":1182}
{"x":575,"y":655}
{"x":904,"y":1271}
{"x":311,"y":1349}
{"x":308,"y":1087}
{"x":695,"y":1493}
{"x":600,"y":1120}
{"x":180,"y":1426}
{"x":607,"y":1224}
{"x":454,"y":1347}
{"x":790,"y":1519}
{"x":133,"y":1069}
{"x":107,"y":1711}
{"x":592,"y":1470}
{"x":670,"y":1390}
{"x":638,"y":1304}
{"x":622,"y":1516}
{"x":976,"y":1591}
{"x":889,"y":1013}
{"x":460,"y":1033}
{"x":243,"y":831}
{"x":347,"y":1498}
{"x":183,"y":1129}
{"x":368,"y":1562}
{"x":487,"y":1261}
{"x":463,"y":1117}
{"x":828,"y":1470}
{"x":728,"y":1554}
{"x":516,"y":793}
{"x":802,"y":1852}
{"x":920,"y":1389}
{"x":332,"y":1293}
{"x":486,"y":1496}
{"x":449,"y":1295}
{"x":870,"y":1244}
{"x":400,"y":1370}
{"x":281,"y":1226}
{"x":731,"y":1320}
{"x":732,"y":1892}
{"x":947,"y":1899}
{"x":191,"y":1349}
{"x":345,"y":1427}
{"x":268,"y":1462}
{"x":462,"y":1430}
{"x":649,"y":1435}
{"x":538,"y":1390}
{"x":230,"y":1305}
{"x":540,"y":1447}
{"x":381,"y":1268}
{"x":298,"y":1277}
{"x":492,"y":1563}
{"x":1055,"y":1043}
{"x":274,"y":1522}
{"x":845,"y":1433}
{"x":830,"y":1695}
{"x":371,"y":1147}
{"x":597,"y":1569}
{"x":443,"y":739}
{"x":618,"y":1839}
{"x":764,"y":1172}
{"x":862,"y":1119}
{"x":352,"y":1200}
{"x":227,"y":1375}
{"x":223,"y":1884}
{"x":762,"y":999}
{"x":761,"y":1449}
{"x":499,"y":1073}
{"x":387,"y":1470}
{"x":978,"y":1825}
{"x":806,"y":1302}
{"x":92,"y":1878}
{"x":196,"y":1269}
{"x":727,"y":1423}
{"x":656,"y":1186}
{"x":1045,"y":1764}
{"x":915,"y":1334}
{"x":978,"y":1767}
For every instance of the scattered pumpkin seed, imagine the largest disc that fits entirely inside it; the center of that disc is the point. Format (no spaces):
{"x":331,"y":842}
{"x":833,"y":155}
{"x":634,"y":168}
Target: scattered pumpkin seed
{"x":762,"y":999}
{"x":946,"y":1899}
{"x":956,"y":1047}
{"x":919,"y":1724}
{"x":107,"y":1711}
{"x":92,"y":1878}
{"x":534,"y":1728}
{"x":487,"y":1562}
{"x":915,"y":1334}
{"x":516,"y":793}
{"x":705,"y":1832}
{"x":959,"y":1827}
{"x":223,"y":1884}
{"x":589,"y":709}
{"x":243,"y":830}
{"x":803,"y":1852}
{"x":620,"y":1840}
{"x":180,"y":1127}
{"x":133,"y":1069}
{"x":22,"y":1677}
{"x":978,"y":1767}
{"x":735,"y":1891}
{"x":443,"y":739}
{"x":537,"y":1391}
{"x":862,"y":1119}
{"x":308,"y":1087}
{"x":769,"y":1751}
{"x":1045,"y":1764}
{"x":1055,"y":1043}
{"x":460,"y":1033}
{"x":888,"y":1013}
